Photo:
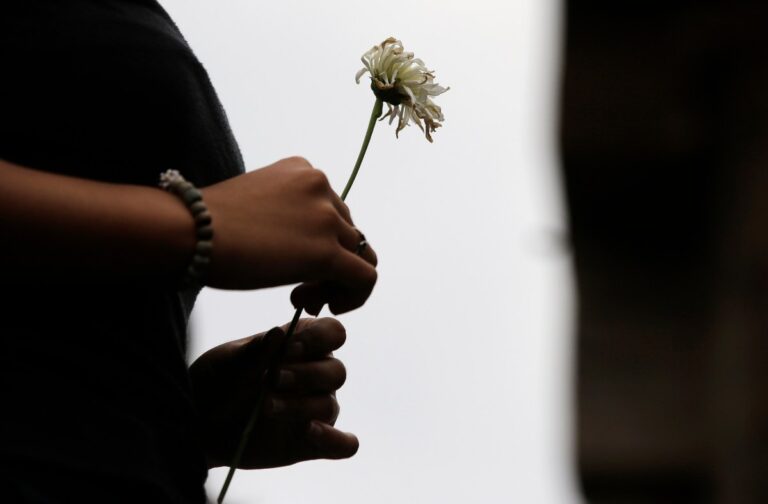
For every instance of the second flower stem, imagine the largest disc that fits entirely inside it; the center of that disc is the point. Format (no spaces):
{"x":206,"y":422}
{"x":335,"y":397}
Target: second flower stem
{"x":277,"y":359}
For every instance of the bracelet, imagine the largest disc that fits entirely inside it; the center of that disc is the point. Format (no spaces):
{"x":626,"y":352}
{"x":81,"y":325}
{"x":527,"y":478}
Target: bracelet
{"x":173,"y":182}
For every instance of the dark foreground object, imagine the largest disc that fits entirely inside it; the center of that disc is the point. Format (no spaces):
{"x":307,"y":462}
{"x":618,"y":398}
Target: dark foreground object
{"x":665,"y":149}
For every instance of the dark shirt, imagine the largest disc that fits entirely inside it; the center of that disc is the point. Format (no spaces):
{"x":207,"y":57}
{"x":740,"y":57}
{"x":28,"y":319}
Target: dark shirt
{"x":96,"y":401}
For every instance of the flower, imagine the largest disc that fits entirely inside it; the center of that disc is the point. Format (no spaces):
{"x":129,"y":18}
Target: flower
{"x":405,"y":84}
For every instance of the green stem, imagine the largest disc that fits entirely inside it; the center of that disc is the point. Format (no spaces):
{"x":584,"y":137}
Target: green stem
{"x":271,"y":374}
{"x":375,"y":114}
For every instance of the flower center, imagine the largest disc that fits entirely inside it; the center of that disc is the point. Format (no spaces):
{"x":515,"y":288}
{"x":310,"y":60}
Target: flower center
{"x":387,"y":92}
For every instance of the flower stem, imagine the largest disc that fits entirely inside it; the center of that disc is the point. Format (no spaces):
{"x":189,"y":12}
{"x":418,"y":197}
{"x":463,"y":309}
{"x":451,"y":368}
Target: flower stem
{"x":268,"y":377}
{"x":375,"y":114}
{"x":271,"y":374}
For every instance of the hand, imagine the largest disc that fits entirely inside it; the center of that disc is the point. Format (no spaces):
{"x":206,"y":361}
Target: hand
{"x":297,"y":417}
{"x":284,"y":224}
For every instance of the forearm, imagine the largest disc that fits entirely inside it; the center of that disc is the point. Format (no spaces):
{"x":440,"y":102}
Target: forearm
{"x":57,"y":227}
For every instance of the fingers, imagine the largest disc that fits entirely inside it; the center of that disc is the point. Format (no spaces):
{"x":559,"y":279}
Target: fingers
{"x":347,"y":280}
{"x":312,"y":296}
{"x":315,"y":338}
{"x":301,"y":409}
{"x":317,"y":183}
{"x":323,"y":407}
{"x":354,"y":279}
{"x":244,"y":360}
{"x":351,"y":237}
{"x":357,"y":276}
{"x":327,"y":442}
{"x":354,"y":240}
{"x":326,"y":375}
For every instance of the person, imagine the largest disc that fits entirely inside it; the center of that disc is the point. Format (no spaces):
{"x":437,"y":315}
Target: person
{"x":99,"y":405}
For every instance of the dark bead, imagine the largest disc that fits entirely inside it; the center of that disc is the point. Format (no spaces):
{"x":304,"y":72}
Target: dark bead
{"x":200,"y":262}
{"x":204,"y":248}
{"x":197,"y":207}
{"x":191,"y":195}
{"x":204,"y":233}
{"x":203,"y":218}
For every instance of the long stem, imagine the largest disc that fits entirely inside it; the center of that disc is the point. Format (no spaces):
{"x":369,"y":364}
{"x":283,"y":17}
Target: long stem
{"x":271,"y":374}
{"x":254,"y":418}
{"x":375,"y":114}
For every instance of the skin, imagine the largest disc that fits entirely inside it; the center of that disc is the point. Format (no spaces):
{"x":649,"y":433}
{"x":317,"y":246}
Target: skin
{"x":296,"y":229}
{"x":298,"y":413}
{"x":278,"y":225}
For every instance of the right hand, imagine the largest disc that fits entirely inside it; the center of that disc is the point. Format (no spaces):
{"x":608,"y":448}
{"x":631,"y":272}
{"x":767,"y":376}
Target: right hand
{"x":224,"y":385}
{"x":283,"y":224}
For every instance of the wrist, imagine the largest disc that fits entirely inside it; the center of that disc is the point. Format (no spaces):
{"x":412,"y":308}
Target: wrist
{"x":174,"y":232}
{"x":196,"y":272}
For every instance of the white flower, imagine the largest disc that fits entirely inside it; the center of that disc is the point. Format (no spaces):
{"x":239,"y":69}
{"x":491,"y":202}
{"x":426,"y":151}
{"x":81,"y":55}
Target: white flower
{"x":405,"y":84}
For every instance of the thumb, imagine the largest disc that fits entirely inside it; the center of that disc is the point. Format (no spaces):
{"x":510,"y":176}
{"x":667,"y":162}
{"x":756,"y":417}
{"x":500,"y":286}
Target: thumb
{"x":328,"y":442}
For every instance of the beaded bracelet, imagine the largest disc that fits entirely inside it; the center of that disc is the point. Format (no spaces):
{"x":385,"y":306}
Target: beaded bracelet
{"x":173,"y":182}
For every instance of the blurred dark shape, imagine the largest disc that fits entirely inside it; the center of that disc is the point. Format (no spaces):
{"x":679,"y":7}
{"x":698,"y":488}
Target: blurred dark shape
{"x":665,"y":152}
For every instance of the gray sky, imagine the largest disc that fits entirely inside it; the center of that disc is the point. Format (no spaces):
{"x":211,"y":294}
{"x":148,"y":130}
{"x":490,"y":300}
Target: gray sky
{"x":459,"y":365}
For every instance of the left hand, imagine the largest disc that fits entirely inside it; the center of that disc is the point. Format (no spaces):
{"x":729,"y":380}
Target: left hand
{"x":298,"y":414}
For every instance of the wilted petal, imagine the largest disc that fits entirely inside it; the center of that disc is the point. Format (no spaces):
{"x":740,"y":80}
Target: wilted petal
{"x":360,"y":74}
{"x":406,"y":84}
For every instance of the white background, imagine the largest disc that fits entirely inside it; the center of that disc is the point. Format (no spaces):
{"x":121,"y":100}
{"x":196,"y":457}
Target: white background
{"x":460,"y":364}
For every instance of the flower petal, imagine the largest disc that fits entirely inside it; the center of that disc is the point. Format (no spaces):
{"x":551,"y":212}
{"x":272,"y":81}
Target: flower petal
{"x":360,"y":74}
{"x":408,"y":83}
